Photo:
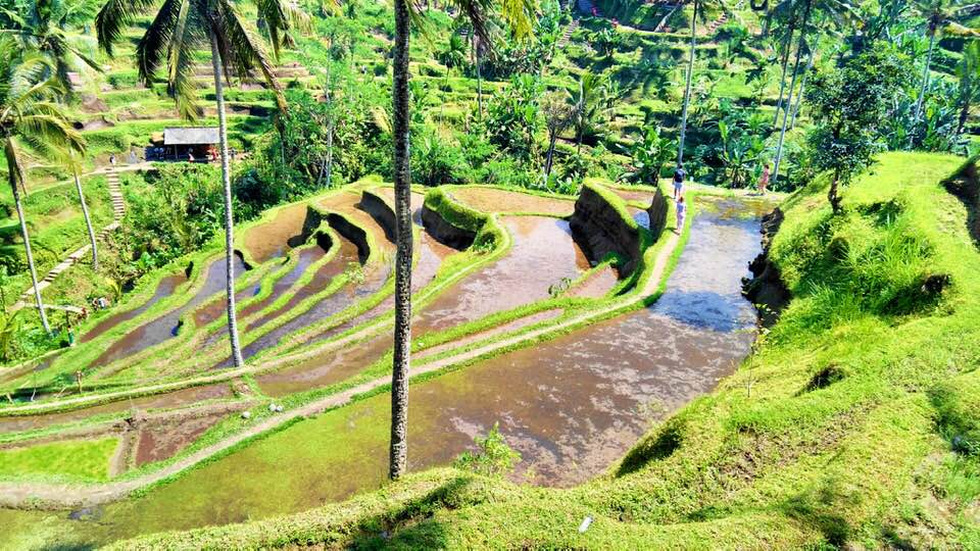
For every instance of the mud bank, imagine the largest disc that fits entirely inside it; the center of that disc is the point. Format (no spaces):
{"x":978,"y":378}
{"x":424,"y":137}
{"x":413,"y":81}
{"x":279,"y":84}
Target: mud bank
{"x":602,"y":226}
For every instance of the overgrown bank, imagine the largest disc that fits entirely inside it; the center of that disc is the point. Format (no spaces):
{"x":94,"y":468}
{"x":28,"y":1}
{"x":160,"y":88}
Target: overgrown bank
{"x":854,"y":422}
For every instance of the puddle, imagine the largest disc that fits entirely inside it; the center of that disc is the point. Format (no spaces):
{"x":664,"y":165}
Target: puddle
{"x":162,"y":441}
{"x":641,"y":216}
{"x":275,"y":237}
{"x":543,"y":254}
{"x":487,"y":199}
{"x":638,"y":195}
{"x":165,"y":326}
{"x":165,"y":288}
{"x":169,"y":400}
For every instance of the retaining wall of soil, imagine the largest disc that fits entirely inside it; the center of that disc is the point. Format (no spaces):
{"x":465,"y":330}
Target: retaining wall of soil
{"x":766,"y":288}
{"x":601,"y":225}
{"x":657,"y":212}
{"x":965,"y":185}
{"x":379,"y":208}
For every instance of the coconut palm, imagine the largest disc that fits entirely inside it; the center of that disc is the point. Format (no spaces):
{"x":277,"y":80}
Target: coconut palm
{"x":31,"y":124}
{"x":179,"y":28}
{"x":75,"y":172}
{"x":518,"y":14}
{"x":940,"y":16}
{"x":698,"y":11}
{"x":45,"y":26}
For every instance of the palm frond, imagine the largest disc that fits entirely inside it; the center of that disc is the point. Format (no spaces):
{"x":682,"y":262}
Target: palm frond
{"x":240,"y":48}
{"x":115,"y":16}
{"x":157,"y":40}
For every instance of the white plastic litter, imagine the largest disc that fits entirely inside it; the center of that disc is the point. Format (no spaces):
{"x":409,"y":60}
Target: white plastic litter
{"x":586,"y":522}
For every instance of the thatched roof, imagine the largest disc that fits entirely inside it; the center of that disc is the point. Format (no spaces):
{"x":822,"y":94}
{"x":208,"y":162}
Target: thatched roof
{"x":192,"y":135}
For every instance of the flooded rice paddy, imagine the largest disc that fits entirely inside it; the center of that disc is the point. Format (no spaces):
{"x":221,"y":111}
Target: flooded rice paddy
{"x":571,"y":406}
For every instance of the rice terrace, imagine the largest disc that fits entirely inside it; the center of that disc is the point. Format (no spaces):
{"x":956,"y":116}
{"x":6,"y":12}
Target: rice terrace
{"x":591,"y":274}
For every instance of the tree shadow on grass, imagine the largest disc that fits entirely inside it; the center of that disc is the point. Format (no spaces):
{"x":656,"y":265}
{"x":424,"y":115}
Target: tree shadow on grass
{"x":411,"y":526}
{"x":654,"y":447}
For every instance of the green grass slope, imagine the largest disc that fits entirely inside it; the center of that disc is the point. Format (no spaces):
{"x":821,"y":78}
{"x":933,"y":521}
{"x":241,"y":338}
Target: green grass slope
{"x":854,"y":422}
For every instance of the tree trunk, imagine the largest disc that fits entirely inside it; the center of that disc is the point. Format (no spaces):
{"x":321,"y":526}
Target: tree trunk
{"x":329,"y":166}
{"x":219,"y":95}
{"x":687,"y":89}
{"x":922,"y":90}
{"x":30,"y":259}
{"x":789,"y":96}
{"x":799,"y":97}
{"x":964,"y":115}
{"x":88,"y":221}
{"x":479,"y":77}
{"x":782,"y":78}
{"x":398,"y":451}
{"x":833,"y":195}
{"x":552,"y":139}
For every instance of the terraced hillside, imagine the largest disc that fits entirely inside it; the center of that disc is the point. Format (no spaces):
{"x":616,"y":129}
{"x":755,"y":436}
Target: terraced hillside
{"x":496,"y":271}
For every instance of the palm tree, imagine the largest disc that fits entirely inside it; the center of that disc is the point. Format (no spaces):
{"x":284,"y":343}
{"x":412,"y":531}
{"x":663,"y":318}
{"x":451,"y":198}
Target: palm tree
{"x":75,"y":170}
{"x":940,"y":17}
{"x":31,"y":123}
{"x":690,"y":73}
{"x":789,"y":99}
{"x":517,"y":13}
{"x":179,"y":28}
{"x":43,"y":25}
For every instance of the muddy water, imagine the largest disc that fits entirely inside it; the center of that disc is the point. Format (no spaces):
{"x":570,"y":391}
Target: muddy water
{"x":306,"y":258}
{"x":165,"y":326}
{"x":334,"y":366}
{"x":488,"y":199}
{"x":165,"y":288}
{"x":274,"y":238}
{"x":581,"y":401}
{"x":170,"y":400}
{"x":543,"y":253}
{"x":159,"y":442}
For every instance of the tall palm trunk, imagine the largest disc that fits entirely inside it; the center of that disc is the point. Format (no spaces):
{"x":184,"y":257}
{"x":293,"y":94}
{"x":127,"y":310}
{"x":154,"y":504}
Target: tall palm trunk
{"x":403,"y":257}
{"x":479,"y":76}
{"x":687,"y":89}
{"x":799,"y":97}
{"x":922,"y":90}
{"x":552,"y":140}
{"x":30,"y":258}
{"x":219,"y":95}
{"x":782,"y":77}
{"x":792,"y":86}
{"x":88,"y":221}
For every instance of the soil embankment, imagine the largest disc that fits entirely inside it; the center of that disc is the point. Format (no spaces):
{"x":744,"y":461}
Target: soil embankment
{"x":602,"y":226}
{"x":766,"y":288}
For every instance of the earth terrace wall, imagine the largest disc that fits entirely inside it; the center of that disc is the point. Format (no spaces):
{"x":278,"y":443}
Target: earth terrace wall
{"x":965,"y":185}
{"x":602,"y":226}
{"x":456,"y":225}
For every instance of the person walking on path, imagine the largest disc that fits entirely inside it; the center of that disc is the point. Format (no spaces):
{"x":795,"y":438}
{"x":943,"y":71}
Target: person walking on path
{"x":764,"y":179}
{"x":679,"y":175}
{"x":681,"y":214}
{"x":112,"y":160}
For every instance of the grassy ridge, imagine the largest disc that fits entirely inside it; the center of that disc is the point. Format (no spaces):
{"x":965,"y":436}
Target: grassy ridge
{"x":855,"y":421}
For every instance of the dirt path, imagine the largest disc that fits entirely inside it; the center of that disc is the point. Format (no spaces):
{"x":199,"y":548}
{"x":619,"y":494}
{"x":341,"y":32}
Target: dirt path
{"x":60,"y":496}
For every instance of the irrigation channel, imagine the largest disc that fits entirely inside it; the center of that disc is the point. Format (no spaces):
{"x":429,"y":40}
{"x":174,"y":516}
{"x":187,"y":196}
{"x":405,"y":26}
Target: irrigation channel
{"x":571,"y":406}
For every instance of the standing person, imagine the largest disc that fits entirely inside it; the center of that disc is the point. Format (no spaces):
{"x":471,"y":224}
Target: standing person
{"x":681,"y":214}
{"x":764,"y":179}
{"x":679,"y":175}
{"x":112,"y":160}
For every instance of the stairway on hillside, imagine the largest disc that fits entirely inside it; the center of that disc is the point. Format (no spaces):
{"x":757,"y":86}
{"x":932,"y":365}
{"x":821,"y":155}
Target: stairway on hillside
{"x":567,"y":35}
{"x":118,"y":211}
{"x":722,"y":19}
